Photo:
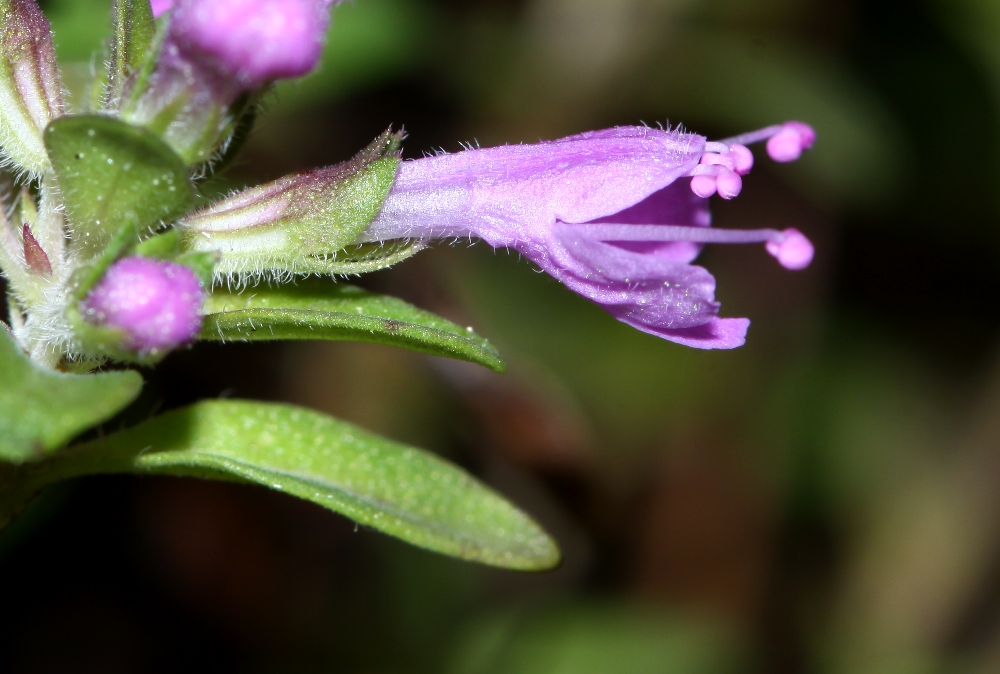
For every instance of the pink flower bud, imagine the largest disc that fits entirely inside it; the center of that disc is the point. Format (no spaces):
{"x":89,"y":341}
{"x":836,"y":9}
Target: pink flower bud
{"x":256,"y":40}
{"x":156,"y":304}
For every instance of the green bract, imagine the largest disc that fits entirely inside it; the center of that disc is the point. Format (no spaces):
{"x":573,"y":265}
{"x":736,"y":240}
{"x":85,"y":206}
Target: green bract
{"x":302,"y":223}
{"x":121,"y":181}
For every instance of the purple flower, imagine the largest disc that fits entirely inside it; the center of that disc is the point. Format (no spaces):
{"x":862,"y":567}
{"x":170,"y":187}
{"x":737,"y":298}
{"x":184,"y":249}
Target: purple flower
{"x":156,"y":304}
{"x":616,"y":215}
{"x":252,"y":40}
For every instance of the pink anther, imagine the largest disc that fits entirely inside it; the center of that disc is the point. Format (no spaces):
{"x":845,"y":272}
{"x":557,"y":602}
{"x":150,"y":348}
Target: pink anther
{"x":729,"y":184}
{"x":703,"y":185}
{"x":741,"y":158}
{"x":715,"y":159}
{"x":787,"y":145}
{"x":806,"y":133}
{"x":792,"y":249}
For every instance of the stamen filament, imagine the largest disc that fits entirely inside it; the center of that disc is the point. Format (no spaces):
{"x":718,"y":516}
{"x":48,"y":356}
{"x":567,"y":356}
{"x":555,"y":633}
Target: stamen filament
{"x":619,"y":232}
{"x":752,"y":136}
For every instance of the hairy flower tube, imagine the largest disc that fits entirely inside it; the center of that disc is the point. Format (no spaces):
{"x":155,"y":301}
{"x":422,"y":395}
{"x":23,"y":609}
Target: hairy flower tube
{"x":154,"y":303}
{"x":616,"y":215}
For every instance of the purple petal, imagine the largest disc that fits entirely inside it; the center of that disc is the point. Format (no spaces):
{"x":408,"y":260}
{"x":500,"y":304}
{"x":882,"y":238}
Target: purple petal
{"x":647,"y":289}
{"x":719,"y":333}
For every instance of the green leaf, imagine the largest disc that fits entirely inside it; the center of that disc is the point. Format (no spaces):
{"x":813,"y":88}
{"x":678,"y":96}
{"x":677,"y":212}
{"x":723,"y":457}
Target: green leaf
{"x":134,"y":29}
{"x":400,"y":490}
{"x":40,"y":410}
{"x":321,"y":309}
{"x":115,"y":177}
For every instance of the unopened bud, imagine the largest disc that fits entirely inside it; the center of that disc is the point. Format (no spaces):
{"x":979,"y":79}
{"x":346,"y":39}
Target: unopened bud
{"x":30,"y":89}
{"x":155,"y":304}
{"x":254,"y":41}
{"x":215,"y":54}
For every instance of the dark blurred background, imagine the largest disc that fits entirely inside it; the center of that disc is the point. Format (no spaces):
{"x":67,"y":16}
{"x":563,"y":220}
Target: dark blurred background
{"x":821,"y":500}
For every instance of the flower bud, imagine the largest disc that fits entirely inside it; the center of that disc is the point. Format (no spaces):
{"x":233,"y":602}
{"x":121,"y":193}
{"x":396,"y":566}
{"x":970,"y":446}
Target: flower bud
{"x":30,"y":89}
{"x":161,"y":6}
{"x":155,"y":304}
{"x":253,"y":41}
{"x":215,"y":54}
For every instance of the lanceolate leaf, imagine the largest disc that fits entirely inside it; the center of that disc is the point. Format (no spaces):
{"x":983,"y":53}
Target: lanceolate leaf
{"x":115,"y":177}
{"x":400,"y":490}
{"x":40,"y":410}
{"x":321,"y":309}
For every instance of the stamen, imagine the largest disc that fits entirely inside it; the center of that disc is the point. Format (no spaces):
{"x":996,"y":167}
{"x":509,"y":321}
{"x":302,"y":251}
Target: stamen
{"x":790,"y":247}
{"x":787,"y":145}
{"x":609,"y":231}
{"x":785,"y":142}
{"x":729,"y":184}
{"x":742,"y":158}
{"x":793,"y":250}
{"x":716,"y":159}
{"x":705,"y":170}
{"x":753,"y":136}
{"x":715,"y":175}
{"x":724,"y":161}
{"x":704,"y":185}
